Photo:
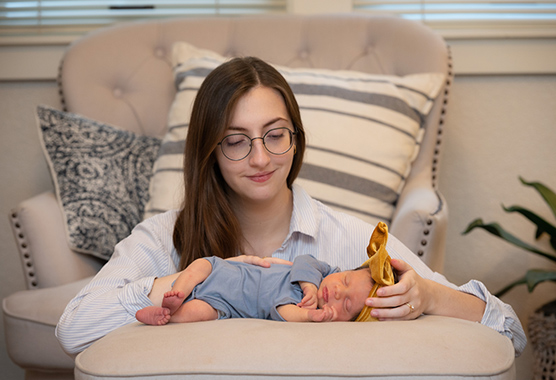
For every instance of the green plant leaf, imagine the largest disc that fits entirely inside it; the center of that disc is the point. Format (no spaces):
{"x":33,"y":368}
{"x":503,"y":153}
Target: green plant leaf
{"x":547,"y":194}
{"x":497,"y":230}
{"x":542,"y":225}
{"x":532,"y":278}
{"x":522,"y":280}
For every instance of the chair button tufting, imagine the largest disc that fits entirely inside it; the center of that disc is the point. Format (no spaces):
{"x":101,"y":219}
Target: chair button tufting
{"x":118,"y":93}
{"x":159,"y":52}
{"x":304,"y":54}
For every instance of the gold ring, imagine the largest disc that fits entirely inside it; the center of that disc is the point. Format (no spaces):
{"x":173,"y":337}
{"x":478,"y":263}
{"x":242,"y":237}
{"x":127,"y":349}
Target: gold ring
{"x":411,"y":307}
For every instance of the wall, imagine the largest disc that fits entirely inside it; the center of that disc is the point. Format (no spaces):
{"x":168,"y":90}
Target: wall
{"x":498,"y":127}
{"x":23,"y":173}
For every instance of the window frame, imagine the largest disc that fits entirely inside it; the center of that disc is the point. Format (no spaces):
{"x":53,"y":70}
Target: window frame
{"x":476,"y":49}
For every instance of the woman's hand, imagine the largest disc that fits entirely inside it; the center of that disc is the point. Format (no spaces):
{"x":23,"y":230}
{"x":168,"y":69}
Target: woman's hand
{"x":414,"y":295}
{"x":407,"y":299}
{"x":264,"y":262}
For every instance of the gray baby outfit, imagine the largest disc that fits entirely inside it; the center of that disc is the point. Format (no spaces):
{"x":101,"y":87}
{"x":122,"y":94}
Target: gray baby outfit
{"x":239,"y":290}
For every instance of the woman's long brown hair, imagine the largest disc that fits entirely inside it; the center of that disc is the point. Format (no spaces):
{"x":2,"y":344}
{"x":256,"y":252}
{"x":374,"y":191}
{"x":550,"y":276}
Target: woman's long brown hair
{"x":206,"y":224}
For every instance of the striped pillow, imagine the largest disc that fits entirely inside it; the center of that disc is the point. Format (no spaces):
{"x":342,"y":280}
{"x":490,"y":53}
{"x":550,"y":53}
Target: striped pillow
{"x":363,"y":132}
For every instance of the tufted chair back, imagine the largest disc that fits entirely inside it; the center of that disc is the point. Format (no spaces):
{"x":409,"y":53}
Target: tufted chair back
{"x":122,"y":75}
{"x":134,"y":90}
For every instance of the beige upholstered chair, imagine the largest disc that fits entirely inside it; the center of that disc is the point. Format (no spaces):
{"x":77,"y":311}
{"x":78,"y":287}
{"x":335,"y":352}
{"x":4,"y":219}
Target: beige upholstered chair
{"x":123,"y":76}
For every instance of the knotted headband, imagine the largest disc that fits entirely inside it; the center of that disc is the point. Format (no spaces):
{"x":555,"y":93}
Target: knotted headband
{"x":379,"y":265}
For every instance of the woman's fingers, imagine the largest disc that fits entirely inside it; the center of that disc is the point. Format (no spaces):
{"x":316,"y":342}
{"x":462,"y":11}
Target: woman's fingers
{"x":400,"y":266}
{"x":397,"y":313}
{"x":253,"y":260}
{"x":264,"y":262}
{"x":275,"y":260}
{"x":402,"y":300}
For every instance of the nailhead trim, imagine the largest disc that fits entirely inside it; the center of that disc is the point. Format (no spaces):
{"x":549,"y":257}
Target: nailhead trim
{"x":24,"y":252}
{"x":429,"y":223}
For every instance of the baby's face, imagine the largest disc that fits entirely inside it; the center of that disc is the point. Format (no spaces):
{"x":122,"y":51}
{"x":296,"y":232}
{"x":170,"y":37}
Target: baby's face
{"x":345,"y":292}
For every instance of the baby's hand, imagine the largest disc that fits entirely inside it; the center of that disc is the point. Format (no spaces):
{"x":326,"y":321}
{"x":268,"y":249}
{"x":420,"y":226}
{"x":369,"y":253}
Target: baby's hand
{"x":326,"y":314}
{"x":309,"y":300}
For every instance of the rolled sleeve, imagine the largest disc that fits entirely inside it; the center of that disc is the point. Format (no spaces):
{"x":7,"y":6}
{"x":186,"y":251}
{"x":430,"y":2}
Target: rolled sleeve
{"x":135,"y":295}
{"x":498,"y":315}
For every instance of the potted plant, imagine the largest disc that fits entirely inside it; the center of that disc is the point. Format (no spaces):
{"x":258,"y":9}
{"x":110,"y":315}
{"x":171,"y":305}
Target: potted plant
{"x":542,"y":324}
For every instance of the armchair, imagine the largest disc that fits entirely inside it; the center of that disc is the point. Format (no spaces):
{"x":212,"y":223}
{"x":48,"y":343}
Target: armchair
{"x":123,"y":76}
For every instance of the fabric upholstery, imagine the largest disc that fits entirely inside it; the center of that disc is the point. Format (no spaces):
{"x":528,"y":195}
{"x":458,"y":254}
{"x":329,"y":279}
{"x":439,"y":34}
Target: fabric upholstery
{"x":39,"y":228}
{"x":119,"y":90}
{"x":431,"y":347}
{"x":35,"y":313}
{"x":363,"y":133}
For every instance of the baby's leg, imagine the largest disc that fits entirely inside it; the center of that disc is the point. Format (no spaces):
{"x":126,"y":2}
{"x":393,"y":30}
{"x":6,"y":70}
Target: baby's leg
{"x":193,"y":275}
{"x":194,"y":311}
{"x":153,"y":315}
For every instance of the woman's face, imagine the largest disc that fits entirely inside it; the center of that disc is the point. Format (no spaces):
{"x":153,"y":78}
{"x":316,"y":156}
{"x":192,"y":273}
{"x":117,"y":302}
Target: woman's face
{"x":261,"y":176}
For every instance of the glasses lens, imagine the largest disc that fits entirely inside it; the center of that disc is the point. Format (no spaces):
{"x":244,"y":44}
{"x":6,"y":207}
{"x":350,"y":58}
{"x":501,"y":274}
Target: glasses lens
{"x":278,"y":141}
{"x":236,"y":146}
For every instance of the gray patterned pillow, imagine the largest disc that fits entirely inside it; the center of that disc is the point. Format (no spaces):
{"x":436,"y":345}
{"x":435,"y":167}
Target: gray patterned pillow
{"x":101,"y":175}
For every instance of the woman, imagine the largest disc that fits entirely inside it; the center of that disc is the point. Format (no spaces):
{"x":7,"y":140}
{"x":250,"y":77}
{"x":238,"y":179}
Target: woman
{"x":244,"y":149}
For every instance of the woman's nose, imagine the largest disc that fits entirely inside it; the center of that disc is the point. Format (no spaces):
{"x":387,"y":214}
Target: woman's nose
{"x":259,"y":155}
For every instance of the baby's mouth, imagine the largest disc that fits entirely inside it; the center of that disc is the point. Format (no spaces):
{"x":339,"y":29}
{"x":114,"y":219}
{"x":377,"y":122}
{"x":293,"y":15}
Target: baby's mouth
{"x":325,"y":294}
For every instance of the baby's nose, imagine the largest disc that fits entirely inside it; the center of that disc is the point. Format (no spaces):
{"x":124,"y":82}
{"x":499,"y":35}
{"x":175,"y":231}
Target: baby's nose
{"x":338,"y":292}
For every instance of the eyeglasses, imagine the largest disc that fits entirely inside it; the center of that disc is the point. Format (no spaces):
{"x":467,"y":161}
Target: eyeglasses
{"x":237,"y":146}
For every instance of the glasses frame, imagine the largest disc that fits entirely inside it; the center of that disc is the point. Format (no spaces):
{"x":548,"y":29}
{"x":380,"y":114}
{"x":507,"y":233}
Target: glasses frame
{"x":292,"y":133}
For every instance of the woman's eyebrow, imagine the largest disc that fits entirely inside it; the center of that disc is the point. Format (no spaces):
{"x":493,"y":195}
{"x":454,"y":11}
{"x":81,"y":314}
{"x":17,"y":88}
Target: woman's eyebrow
{"x":274,"y":121}
{"x":265,"y":125}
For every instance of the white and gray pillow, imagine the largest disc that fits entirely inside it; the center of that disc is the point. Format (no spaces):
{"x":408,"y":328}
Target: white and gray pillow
{"x":363,"y":132}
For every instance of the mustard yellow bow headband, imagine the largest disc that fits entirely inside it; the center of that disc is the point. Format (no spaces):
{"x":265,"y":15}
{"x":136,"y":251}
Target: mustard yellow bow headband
{"x":379,"y":265}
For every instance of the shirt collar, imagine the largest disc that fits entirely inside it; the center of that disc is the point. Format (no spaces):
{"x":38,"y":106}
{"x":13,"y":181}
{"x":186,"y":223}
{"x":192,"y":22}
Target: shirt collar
{"x":305,"y":216}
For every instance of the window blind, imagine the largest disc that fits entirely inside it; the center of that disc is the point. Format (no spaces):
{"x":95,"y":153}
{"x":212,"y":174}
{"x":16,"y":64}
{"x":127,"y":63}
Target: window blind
{"x":487,"y":18}
{"x":21,"y":17}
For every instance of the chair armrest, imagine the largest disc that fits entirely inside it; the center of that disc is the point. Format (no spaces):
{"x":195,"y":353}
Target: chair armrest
{"x":420,"y":222}
{"x":425,"y":348}
{"x":30,"y":318}
{"x":40,"y":233}
{"x":421,"y":216}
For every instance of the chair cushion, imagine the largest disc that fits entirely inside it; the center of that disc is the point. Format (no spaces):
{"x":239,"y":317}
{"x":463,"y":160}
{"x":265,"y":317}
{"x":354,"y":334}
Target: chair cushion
{"x":101,"y":175}
{"x":429,"y":347}
{"x":363,"y":132}
{"x":30,"y":318}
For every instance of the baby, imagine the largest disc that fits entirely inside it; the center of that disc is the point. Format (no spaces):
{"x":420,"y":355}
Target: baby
{"x":309,"y":290}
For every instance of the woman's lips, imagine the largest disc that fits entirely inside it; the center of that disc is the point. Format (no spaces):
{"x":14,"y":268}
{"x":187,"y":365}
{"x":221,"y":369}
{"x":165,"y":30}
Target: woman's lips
{"x":261,"y":177}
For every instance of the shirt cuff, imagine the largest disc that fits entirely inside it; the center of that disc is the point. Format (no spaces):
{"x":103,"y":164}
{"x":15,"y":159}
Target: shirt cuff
{"x":135,"y":295}
{"x":498,"y":315}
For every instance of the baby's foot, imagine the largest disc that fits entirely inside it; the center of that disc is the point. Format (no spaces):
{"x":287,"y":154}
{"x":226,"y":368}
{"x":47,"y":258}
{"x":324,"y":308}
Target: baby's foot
{"x":153,"y":315}
{"x":173,"y":300}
